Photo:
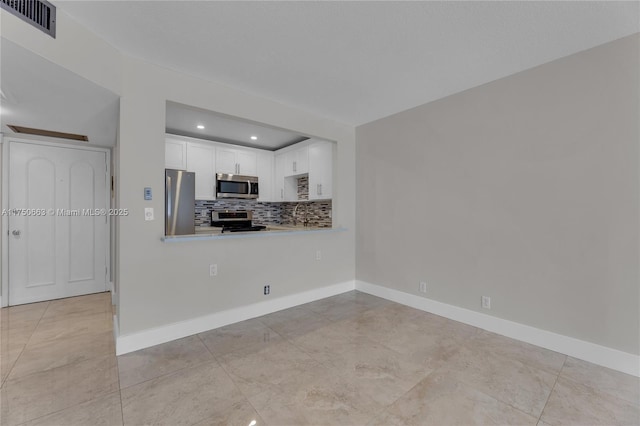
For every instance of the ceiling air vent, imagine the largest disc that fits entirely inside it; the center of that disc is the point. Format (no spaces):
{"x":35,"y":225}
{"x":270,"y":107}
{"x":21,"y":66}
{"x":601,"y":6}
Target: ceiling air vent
{"x":49,"y":133}
{"x":39,"y":13}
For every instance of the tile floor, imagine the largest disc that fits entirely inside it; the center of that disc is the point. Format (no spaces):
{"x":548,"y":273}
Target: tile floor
{"x":352,"y":359}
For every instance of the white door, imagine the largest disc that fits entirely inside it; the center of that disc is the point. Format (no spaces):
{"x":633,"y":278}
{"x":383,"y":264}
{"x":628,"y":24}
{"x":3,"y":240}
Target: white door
{"x":57,"y":225}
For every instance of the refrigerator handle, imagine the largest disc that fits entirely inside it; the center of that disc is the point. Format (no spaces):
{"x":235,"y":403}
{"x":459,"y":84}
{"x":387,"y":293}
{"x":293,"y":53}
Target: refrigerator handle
{"x":169,"y":201}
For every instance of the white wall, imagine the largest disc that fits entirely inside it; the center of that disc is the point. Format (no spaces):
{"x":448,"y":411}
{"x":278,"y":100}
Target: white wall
{"x":160,"y":283}
{"x":524,"y":189}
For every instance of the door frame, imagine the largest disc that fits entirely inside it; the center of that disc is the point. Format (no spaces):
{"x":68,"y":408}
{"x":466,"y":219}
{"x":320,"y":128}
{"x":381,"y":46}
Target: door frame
{"x":5,"y":141}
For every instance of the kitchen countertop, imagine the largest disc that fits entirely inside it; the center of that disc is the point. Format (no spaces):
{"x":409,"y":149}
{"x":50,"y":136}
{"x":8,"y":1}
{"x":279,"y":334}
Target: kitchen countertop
{"x":213,"y":233}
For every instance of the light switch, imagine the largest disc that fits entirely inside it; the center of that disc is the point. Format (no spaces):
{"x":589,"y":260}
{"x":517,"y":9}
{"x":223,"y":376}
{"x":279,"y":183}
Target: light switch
{"x":148,"y":213}
{"x":147,"y":194}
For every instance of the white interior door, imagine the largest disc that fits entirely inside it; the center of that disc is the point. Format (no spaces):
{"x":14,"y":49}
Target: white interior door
{"x":57,"y":229}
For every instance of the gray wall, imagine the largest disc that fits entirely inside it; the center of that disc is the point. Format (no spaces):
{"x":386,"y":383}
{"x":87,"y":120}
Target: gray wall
{"x":524,"y":189}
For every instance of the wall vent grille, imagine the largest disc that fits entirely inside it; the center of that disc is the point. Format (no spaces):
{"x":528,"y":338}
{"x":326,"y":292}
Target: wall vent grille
{"x":39,"y":13}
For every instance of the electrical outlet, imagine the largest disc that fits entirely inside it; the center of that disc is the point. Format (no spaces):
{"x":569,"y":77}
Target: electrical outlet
{"x":318,"y":255}
{"x":213,"y":269}
{"x":486,"y":302}
{"x":267,"y":290}
{"x":423,"y":287}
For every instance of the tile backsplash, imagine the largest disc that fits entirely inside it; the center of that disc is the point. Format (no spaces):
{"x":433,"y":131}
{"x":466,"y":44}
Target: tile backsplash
{"x":281,"y":213}
{"x":303,"y":188}
{"x":318,"y":213}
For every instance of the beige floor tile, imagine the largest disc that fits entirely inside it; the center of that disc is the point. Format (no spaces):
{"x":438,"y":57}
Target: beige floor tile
{"x":185,"y":397}
{"x":17,"y":335}
{"x":328,"y":400}
{"x":324,"y":344}
{"x":378,"y":372}
{"x":571,"y":403}
{"x":365,"y":299}
{"x":614,"y":383}
{"x":146,"y":364}
{"x":294,"y":322}
{"x":344,"y":306}
{"x":276,"y":367}
{"x":79,"y":306}
{"x":428,"y":339}
{"x":63,"y":327}
{"x":240,"y":413}
{"x":442,"y":400}
{"x":535,"y":356}
{"x":39,"y":394}
{"x":29,"y":312}
{"x":244,"y":337}
{"x":104,"y":411}
{"x":43,"y":356}
{"x":7,"y":361}
{"x":508,"y":380}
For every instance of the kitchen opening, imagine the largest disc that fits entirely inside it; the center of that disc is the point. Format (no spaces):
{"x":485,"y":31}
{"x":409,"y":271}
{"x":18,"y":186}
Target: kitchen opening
{"x":226,"y":175}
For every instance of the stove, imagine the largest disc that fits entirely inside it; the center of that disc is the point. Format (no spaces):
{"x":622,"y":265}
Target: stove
{"x":238,"y":221}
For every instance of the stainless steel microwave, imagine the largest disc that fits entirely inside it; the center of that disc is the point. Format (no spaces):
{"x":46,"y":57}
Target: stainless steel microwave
{"x":236,"y":186}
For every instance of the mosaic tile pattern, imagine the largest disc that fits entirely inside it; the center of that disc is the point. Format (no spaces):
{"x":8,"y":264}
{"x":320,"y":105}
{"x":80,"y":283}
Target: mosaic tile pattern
{"x":303,"y":187}
{"x":266,"y":213}
{"x":318,"y":212}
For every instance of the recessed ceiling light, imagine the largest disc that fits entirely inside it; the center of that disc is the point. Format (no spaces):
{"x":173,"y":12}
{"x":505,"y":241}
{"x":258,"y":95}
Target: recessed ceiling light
{"x":254,"y":138}
{"x":200,"y":126}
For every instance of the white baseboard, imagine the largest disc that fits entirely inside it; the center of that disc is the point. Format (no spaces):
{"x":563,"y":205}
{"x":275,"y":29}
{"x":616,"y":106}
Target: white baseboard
{"x":591,"y":352}
{"x":155,"y":336}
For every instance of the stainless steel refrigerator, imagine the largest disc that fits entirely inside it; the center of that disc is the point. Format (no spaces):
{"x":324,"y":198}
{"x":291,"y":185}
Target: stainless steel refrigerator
{"x":179,"y":202}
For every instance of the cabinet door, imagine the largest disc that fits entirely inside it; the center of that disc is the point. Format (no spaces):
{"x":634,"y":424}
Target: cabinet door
{"x":247,"y":163}
{"x":201,"y":161}
{"x":226,"y":161}
{"x":320,"y":170}
{"x":175,"y":154}
{"x":278,"y":181}
{"x":265,"y":176}
{"x":301,"y":160}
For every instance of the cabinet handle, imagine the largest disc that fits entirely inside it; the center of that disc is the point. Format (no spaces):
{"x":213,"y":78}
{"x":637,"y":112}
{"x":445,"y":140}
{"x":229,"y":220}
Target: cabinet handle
{"x":281,"y":193}
{"x":295,"y":168}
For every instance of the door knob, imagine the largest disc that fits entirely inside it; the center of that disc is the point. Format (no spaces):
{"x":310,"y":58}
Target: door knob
{"x":16,"y":233}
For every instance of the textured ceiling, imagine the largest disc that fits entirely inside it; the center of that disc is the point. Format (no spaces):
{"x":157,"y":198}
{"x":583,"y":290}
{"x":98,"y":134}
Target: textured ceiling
{"x":353,"y":61}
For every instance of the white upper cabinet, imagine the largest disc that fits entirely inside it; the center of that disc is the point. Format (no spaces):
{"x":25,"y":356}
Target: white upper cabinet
{"x":201,"y":159}
{"x":226,"y":161}
{"x":175,"y":154}
{"x":320,"y":170}
{"x":277,"y":173}
{"x":296,"y":161}
{"x":236,"y":161}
